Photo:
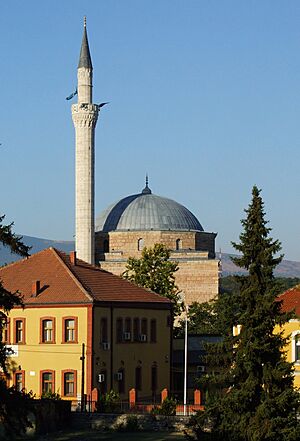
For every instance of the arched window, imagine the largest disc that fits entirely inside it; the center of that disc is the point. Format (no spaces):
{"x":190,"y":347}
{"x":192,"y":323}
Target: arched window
{"x":178,"y":244}
{"x":140,"y":244}
{"x":154,"y":377}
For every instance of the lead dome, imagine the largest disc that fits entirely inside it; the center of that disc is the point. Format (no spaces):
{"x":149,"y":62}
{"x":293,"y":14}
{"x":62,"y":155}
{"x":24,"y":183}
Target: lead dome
{"x":145,"y":212}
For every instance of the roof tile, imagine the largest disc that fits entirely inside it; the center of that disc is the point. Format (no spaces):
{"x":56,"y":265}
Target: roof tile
{"x":63,"y":282}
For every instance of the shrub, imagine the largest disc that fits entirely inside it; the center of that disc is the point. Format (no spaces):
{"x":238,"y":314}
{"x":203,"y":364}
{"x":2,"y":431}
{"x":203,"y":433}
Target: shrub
{"x":109,"y":402}
{"x":167,"y":408}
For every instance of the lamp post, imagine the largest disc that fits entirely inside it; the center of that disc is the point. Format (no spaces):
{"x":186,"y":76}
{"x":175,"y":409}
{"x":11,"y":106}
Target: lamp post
{"x":185,"y":360}
{"x":185,"y":371}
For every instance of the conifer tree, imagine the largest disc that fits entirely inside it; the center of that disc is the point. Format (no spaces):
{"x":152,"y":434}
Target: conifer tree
{"x":14,"y":405}
{"x":255,"y":399}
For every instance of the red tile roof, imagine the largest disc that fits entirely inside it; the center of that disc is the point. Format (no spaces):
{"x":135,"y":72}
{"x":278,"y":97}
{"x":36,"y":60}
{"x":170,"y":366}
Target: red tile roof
{"x":291,"y":300}
{"x":63,"y":282}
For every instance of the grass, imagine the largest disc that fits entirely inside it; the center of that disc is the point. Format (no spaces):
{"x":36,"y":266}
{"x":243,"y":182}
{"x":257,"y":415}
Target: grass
{"x":87,"y":435}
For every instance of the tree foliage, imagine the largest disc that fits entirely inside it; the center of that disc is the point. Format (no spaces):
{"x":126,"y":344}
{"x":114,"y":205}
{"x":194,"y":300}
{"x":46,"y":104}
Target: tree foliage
{"x":14,"y":405}
{"x":155,"y":271}
{"x":252,"y":396}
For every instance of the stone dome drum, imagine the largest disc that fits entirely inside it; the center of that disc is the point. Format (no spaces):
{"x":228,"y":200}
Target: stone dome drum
{"x":146,"y":211}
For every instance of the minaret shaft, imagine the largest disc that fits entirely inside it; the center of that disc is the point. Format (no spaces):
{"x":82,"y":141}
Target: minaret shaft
{"x":84,"y":115}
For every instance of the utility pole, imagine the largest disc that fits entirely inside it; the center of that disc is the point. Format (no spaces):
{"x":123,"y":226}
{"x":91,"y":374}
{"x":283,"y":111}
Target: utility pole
{"x":82,"y":358}
{"x":185,"y":361}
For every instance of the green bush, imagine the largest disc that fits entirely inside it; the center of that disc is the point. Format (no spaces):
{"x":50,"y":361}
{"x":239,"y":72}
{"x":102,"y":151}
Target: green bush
{"x":167,"y":408}
{"x":131,"y":425}
{"x":109,"y":402}
{"x":50,"y":396}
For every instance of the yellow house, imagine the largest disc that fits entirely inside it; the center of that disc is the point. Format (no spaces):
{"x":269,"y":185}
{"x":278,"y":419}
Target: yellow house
{"x":83,"y":328}
{"x":291,"y":301}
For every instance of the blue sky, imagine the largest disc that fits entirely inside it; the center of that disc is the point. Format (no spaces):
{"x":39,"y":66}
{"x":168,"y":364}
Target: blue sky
{"x":204,"y":96}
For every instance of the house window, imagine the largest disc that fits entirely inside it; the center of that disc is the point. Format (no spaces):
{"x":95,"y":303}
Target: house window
{"x":153,"y":331}
{"x":297,"y":348}
{"x":144,"y":327}
{"x":69,"y":386}
{"x":4,"y":328}
{"x":121,"y":381}
{"x":136,"y":329}
{"x":103,"y":330}
{"x":70,"y":329}
{"x":102,"y":379}
{"x":47,"y":331}
{"x":18,"y":379}
{"x":153,"y":377}
{"x":140,"y":244}
{"x":47,"y":382}
{"x":19,"y":330}
{"x":138,"y":378}
{"x":128,"y":326}
{"x":178,"y":244}
{"x":119,"y":330}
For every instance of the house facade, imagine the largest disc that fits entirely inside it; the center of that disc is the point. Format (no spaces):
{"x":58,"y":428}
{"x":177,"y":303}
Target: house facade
{"x":291,"y":330}
{"x":83,"y":328}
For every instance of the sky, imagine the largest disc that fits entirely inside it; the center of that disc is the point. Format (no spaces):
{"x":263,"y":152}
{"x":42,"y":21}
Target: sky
{"x":203,"y":96}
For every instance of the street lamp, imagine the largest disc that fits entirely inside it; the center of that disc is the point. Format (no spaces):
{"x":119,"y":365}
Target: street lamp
{"x":182,"y":298}
{"x":185,"y":359}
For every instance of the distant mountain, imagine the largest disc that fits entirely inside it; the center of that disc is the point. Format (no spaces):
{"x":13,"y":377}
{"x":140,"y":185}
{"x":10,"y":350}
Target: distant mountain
{"x":286,"y":268}
{"x":36,"y":245}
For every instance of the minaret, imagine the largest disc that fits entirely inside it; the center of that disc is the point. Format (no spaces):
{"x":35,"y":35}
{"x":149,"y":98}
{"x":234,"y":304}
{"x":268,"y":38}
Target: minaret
{"x":85,"y":115}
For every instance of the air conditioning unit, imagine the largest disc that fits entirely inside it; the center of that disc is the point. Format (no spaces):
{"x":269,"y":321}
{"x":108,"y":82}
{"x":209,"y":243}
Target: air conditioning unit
{"x":143,"y":337}
{"x":101,"y":378}
{"x":200,"y":369}
{"x":127,"y":336}
{"x":106,"y":346}
{"x":119,"y":376}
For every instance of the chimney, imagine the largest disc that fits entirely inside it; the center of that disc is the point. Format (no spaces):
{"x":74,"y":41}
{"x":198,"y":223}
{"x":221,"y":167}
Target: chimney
{"x":35,"y":288}
{"x":73,"y":257}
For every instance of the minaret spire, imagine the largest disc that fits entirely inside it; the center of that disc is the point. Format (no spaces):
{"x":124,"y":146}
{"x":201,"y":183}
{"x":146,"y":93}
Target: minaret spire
{"x":85,"y":56}
{"x":85,"y":115}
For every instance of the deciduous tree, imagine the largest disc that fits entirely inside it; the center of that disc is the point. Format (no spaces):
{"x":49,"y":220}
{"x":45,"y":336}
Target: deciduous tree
{"x":155,"y":271}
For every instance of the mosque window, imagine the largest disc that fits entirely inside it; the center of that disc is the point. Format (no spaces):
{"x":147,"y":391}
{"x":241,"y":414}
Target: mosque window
{"x":140,"y":244}
{"x":178,"y":244}
{"x":105,"y":246}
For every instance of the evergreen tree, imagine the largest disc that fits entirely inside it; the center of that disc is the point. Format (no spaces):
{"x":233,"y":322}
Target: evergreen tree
{"x":155,"y":271}
{"x":254,"y":398}
{"x":14,"y":405}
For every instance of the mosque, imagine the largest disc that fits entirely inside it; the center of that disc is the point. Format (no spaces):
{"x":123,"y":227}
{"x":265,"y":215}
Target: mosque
{"x":143,"y":219}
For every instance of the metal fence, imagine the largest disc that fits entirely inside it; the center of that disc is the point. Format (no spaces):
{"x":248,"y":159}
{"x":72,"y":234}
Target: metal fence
{"x":119,"y":407}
